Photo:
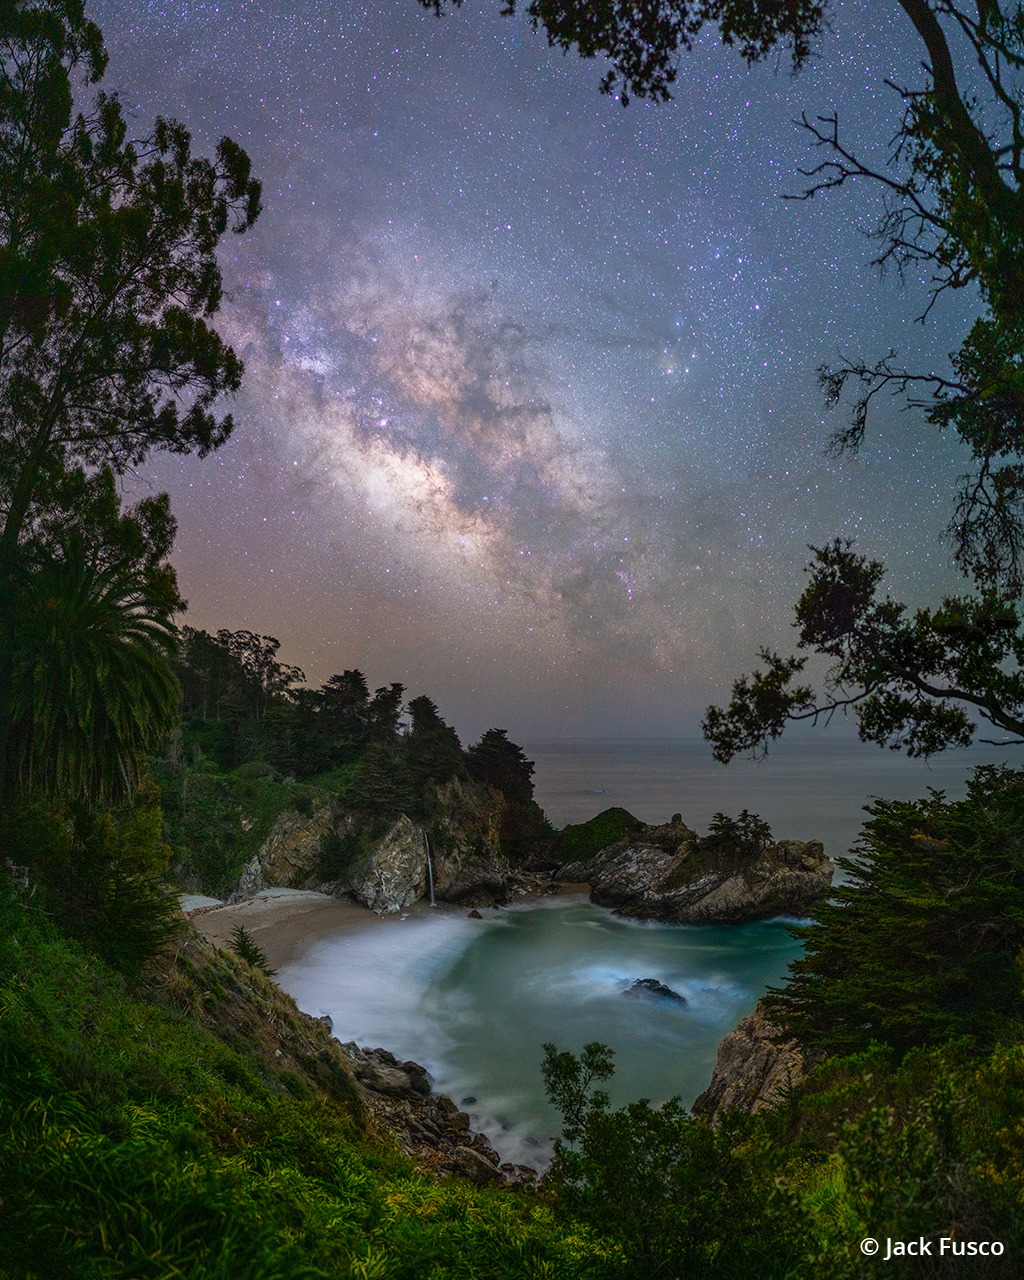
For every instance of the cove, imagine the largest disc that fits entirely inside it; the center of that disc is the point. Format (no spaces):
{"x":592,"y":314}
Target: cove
{"x":474,"y":1000}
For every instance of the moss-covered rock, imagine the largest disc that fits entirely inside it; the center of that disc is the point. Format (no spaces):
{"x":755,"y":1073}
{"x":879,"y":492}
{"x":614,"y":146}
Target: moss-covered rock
{"x":586,"y":839}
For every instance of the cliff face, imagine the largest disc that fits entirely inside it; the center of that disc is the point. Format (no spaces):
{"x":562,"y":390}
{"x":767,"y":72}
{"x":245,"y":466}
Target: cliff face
{"x":752,"y":1073}
{"x":660,"y":874}
{"x":382,"y":862}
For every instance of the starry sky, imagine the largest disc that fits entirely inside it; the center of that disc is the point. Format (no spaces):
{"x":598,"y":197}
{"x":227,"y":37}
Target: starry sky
{"x":530,"y":420}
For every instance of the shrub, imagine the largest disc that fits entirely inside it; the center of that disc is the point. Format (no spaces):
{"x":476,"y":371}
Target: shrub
{"x":921,"y":945}
{"x":580,"y":842}
{"x":244,"y":945}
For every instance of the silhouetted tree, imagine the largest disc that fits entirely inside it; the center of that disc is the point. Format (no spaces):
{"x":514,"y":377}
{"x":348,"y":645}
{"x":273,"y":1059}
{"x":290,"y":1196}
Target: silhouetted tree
{"x":908,"y":677}
{"x":502,"y":765}
{"x":385,"y":713}
{"x":108,"y":279}
{"x":431,"y":747}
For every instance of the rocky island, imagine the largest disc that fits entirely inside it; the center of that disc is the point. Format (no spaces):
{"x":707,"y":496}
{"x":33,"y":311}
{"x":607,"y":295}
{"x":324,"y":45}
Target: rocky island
{"x":735,"y":874}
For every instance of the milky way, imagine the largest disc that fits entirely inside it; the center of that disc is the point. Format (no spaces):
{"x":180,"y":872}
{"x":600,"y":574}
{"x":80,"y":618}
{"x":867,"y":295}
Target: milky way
{"x":530,"y":419}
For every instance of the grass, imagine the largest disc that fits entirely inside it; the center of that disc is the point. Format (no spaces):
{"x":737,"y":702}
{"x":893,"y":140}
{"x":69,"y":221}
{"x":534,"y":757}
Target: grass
{"x":153,"y":1132}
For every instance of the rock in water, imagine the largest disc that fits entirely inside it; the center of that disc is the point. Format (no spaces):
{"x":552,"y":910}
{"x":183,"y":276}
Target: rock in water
{"x":649,"y":988}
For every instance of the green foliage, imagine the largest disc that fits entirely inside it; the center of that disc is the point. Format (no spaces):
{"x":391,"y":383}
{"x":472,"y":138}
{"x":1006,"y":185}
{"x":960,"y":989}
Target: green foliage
{"x":922,"y":942}
{"x":100,"y":873}
{"x":578,"y":842}
{"x":337,"y":853}
{"x":216,"y":821}
{"x":383,"y":783}
{"x":743,"y":837}
{"x":915,"y":1144}
{"x":136,"y":1146}
{"x":677,"y":1196}
{"x":93,"y":685}
{"x":244,"y":945}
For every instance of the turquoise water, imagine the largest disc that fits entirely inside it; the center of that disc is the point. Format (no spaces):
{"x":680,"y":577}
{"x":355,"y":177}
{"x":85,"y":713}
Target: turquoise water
{"x":473,"y":1001}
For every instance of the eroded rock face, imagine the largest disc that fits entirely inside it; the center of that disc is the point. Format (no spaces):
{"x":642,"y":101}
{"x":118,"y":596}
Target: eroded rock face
{"x":752,"y":1072}
{"x":288,"y":856}
{"x":394,"y":874}
{"x":389,"y":871}
{"x":659,"y":875}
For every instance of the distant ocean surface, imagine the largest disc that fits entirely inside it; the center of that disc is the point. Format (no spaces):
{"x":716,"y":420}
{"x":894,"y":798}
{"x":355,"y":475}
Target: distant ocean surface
{"x":809,"y":788}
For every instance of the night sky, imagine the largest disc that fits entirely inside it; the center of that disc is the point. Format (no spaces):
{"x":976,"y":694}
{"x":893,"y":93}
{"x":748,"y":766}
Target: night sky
{"x":530,"y":420}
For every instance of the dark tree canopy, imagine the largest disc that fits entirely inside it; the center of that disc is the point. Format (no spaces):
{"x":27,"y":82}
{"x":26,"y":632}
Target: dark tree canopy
{"x":922,"y":942}
{"x":502,"y":765}
{"x":431,"y":748}
{"x":108,"y":281}
{"x":912,"y":678}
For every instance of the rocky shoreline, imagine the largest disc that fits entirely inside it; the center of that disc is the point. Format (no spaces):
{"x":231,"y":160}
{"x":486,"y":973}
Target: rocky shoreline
{"x":755,"y":1069}
{"x":428,"y":1127}
{"x":658,"y":872}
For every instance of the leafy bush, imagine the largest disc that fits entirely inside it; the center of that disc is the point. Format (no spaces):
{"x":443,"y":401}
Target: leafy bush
{"x":100,"y":872}
{"x":741,"y":838}
{"x":921,"y":945}
{"x":678,"y":1196}
{"x":585,"y":840}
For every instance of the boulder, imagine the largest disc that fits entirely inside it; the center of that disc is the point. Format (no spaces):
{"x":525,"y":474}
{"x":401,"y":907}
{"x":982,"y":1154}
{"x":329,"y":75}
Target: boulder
{"x":753,"y":1071}
{"x":474,"y":1165}
{"x":659,"y":874}
{"x":381,"y":1072}
{"x":652,"y":989}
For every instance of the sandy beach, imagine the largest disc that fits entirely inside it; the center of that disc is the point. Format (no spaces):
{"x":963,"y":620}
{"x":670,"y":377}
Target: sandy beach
{"x":287,"y":922}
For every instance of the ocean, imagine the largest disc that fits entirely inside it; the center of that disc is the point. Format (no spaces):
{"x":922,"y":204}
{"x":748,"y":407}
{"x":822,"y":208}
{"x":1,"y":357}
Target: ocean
{"x":812,"y":787}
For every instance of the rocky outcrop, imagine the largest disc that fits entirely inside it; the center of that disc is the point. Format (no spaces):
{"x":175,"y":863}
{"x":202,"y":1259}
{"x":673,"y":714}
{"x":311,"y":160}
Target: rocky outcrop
{"x":287,"y":859}
{"x":428,"y":1127}
{"x":652,"y":989}
{"x":383,"y":861}
{"x":662,"y":873}
{"x":753,"y":1071}
{"x":392,"y":872}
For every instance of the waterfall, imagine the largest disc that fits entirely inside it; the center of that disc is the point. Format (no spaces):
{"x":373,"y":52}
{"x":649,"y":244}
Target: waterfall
{"x":430,"y":870}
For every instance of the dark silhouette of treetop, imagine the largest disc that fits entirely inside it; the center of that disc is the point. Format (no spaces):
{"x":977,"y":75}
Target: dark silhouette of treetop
{"x":108,"y":281}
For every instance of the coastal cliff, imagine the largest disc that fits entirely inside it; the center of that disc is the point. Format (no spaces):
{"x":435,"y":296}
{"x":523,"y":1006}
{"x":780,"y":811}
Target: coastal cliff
{"x":754,"y":1071}
{"x":669,"y":873}
{"x":382,"y":861}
